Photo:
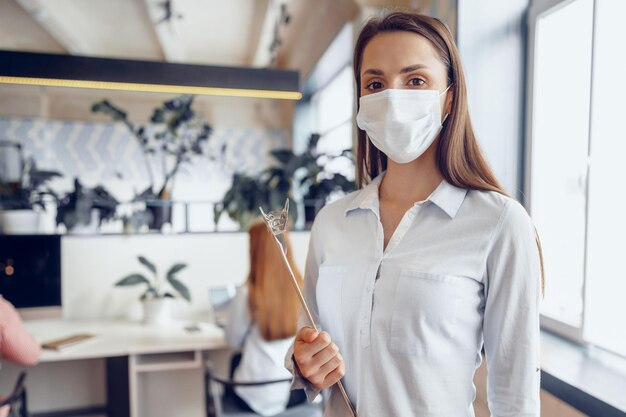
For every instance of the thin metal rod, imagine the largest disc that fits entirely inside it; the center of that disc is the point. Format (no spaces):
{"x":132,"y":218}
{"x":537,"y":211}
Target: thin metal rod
{"x":307,"y":311}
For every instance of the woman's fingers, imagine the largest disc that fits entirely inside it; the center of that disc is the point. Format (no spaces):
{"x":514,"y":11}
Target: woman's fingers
{"x":306,"y":350}
{"x":334,"y":377}
{"x":318,"y":358}
{"x":306,"y":334}
{"x":326,"y":354}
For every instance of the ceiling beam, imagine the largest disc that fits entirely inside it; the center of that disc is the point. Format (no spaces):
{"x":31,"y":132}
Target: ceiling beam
{"x":25,"y":68}
{"x":166,"y":32}
{"x":312,"y":29}
{"x":271,"y":13}
{"x":40,"y":10}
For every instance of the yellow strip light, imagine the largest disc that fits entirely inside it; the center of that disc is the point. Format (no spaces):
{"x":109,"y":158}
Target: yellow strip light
{"x":153,"y":88}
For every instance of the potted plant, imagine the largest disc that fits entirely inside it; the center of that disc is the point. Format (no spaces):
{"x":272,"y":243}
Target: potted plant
{"x":274,"y":184}
{"x":318,"y":184}
{"x":84,"y":209}
{"x":156,"y":298}
{"x":242,"y":200}
{"x":246,"y":194}
{"x":176,"y":134}
{"x":20,"y":196}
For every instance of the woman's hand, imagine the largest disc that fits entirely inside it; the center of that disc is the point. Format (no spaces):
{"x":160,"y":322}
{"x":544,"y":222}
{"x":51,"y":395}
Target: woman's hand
{"x":318,"y":358}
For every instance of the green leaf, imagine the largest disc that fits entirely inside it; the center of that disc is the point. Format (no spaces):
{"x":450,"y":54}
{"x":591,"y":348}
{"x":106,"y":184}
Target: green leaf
{"x":147,"y":264}
{"x":283,"y":155}
{"x":179,"y":287}
{"x":176,"y":268}
{"x":132,"y":279}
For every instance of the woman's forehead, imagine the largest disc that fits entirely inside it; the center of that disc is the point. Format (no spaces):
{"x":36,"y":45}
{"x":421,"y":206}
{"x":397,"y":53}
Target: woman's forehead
{"x":392,"y":51}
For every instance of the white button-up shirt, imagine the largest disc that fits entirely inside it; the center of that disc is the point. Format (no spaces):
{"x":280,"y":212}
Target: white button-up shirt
{"x":461,"y":269}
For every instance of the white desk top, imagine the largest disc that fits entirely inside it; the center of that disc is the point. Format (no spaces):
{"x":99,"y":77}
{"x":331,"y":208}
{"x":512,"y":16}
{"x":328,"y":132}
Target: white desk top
{"x":122,"y":338}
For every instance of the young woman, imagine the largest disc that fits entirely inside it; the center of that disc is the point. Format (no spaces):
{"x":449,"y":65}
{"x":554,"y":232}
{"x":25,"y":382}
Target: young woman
{"x":430,"y":260}
{"x":262,"y":323}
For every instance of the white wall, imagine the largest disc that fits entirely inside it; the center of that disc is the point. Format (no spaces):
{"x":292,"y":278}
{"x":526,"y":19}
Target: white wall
{"x":91,"y":265}
{"x":492,"y":41}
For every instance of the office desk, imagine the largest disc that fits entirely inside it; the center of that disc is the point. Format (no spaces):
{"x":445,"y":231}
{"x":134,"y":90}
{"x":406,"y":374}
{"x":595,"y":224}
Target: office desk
{"x":150,"y":371}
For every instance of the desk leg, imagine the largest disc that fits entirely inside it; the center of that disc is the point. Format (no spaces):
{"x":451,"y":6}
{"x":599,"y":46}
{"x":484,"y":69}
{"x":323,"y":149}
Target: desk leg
{"x":118,"y":399}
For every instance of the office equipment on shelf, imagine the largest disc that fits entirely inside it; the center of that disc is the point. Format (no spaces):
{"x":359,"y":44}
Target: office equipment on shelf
{"x":68,"y":342}
{"x":220,"y":298}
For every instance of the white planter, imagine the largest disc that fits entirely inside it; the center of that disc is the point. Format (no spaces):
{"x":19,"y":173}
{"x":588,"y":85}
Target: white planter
{"x":88,"y":229}
{"x":20,"y":222}
{"x":157,"y":312}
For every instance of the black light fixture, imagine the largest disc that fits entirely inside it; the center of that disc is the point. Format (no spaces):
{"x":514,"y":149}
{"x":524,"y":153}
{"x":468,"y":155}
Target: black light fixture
{"x":55,"y":70}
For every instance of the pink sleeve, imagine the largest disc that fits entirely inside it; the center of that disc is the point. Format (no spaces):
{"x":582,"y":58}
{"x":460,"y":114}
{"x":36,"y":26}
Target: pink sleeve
{"x":16,"y":344}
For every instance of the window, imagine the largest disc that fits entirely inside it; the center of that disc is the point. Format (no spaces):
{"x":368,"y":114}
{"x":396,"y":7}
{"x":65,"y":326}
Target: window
{"x":334,"y":105}
{"x":574,"y":174}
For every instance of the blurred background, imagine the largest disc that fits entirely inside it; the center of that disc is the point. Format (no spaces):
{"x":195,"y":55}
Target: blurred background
{"x":157,"y":128}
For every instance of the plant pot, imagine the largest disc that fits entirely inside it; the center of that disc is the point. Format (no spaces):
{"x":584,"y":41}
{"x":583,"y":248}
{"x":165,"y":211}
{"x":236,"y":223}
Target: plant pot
{"x":20,"y":222}
{"x":157,"y":311}
{"x":311,"y":208}
{"x":87,"y":229}
{"x":160,"y":213}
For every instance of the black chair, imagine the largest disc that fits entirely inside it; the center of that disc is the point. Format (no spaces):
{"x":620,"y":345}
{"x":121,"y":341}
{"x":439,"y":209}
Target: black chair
{"x":222,"y":403}
{"x":17,"y":399}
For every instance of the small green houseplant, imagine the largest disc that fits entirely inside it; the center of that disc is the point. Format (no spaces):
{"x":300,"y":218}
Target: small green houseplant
{"x":155,"y":298}
{"x":20,"y":196}
{"x":84,"y":209}
{"x":175,"y":135}
{"x":274,"y":184}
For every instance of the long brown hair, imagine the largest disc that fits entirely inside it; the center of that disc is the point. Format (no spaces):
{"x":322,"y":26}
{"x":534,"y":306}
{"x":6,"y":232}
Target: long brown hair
{"x":459,"y":156}
{"x":272,"y":301}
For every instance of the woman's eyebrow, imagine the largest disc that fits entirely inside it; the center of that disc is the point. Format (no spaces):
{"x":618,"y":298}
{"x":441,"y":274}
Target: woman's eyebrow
{"x":404,"y":70}
{"x":412,"y":68}
{"x":373,"y":71}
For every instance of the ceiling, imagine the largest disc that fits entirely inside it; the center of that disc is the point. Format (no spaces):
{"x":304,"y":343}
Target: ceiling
{"x":212,"y":32}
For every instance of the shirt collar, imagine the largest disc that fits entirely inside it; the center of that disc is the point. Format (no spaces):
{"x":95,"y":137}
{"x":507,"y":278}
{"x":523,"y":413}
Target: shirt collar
{"x":446,"y":196}
{"x":367,"y":198}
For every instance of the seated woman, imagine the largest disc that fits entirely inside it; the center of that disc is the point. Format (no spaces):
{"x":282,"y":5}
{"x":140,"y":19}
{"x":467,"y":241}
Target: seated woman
{"x":16,"y":344}
{"x":262,"y":323}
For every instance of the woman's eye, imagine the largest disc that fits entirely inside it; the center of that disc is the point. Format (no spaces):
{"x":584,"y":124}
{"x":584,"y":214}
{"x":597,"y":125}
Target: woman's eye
{"x":418,"y":82}
{"x":374,"y":85}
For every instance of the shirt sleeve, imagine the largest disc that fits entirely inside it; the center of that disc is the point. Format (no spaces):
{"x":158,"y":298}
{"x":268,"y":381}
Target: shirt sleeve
{"x":511,"y":317}
{"x":310,"y":282}
{"x":16,"y":344}
{"x":239,"y":320}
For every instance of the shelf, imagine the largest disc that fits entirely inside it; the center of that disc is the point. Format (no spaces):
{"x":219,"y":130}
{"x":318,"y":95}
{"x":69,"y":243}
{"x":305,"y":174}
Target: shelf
{"x":156,"y":362}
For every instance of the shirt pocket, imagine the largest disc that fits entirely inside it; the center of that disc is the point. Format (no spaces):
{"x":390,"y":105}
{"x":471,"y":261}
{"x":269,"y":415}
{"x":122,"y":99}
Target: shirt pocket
{"x":328,"y":292}
{"x":424,"y":313}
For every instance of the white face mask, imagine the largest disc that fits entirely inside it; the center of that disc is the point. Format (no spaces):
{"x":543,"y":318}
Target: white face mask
{"x":401,"y":123}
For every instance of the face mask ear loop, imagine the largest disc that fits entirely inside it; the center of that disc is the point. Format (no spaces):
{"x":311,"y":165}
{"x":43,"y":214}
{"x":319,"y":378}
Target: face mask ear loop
{"x":447,"y":114}
{"x":444,"y":91}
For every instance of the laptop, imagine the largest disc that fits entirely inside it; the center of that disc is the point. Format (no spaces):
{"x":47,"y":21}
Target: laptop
{"x":219,"y":299}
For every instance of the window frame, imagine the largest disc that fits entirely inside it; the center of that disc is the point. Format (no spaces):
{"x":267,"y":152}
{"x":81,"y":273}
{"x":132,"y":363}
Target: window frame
{"x":538,"y":9}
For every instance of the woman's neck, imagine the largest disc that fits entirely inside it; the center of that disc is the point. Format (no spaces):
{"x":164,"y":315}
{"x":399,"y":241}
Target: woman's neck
{"x":415,"y":181}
